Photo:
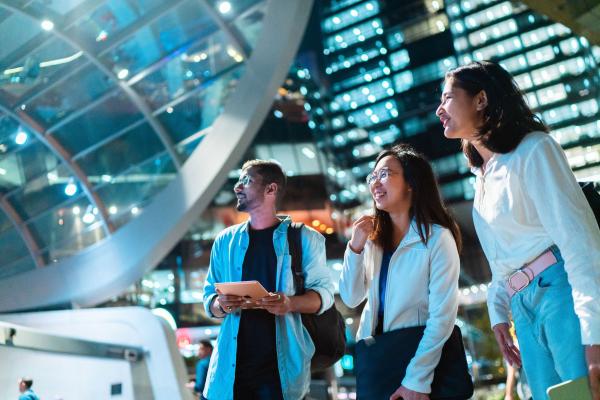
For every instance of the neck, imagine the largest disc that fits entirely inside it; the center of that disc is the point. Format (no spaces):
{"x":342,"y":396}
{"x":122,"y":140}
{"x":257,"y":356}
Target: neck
{"x":263,"y":218}
{"x":484,"y":152}
{"x":401,"y":223}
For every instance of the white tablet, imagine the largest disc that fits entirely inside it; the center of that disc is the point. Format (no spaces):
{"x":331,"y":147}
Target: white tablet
{"x":250,"y":290}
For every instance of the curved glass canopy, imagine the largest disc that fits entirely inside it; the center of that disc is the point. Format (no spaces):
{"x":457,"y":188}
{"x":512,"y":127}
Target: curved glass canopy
{"x":101,"y":103}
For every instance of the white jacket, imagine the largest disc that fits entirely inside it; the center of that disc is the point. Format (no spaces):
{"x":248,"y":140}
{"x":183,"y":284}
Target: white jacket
{"x":422,"y":289}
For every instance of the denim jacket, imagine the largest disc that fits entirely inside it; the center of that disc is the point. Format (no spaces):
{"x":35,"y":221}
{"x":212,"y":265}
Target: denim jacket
{"x":294,"y":345}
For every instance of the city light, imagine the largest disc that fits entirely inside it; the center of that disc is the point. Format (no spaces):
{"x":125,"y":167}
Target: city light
{"x":47,"y":25}
{"x":224,"y":7}
{"x":21,"y":138}
{"x":70,"y":189}
{"x":122,"y":74}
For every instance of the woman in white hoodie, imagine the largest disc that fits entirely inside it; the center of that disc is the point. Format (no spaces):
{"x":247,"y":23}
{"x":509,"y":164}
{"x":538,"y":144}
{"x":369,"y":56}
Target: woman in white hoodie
{"x":404,"y":261}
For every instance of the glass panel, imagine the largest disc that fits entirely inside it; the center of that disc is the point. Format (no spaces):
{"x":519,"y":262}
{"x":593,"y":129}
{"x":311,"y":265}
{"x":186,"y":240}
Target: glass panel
{"x":25,"y":165}
{"x":201,"y":110}
{"x":44,"y":192}
{"x":61,"y":7}
{"x":38,"y":66}
{"x":12,"y":246}
{"x":110,"y":18}
{"x":200,"y":62}
{"x":21,"y":29}
{"x":70,"y":245}
{"x":233,"y":9}
{"x":13,"y":136}
{"x":133,"y":147}
{"x":22,"y":265}
{"x":184,"y":24}
{"x":67,"y":221}
{"x":250,"y":24}
{"x":136,"y":187}
{"x":79,"y":90}
{"x":112,"y":115}
{"x":5,"y":222}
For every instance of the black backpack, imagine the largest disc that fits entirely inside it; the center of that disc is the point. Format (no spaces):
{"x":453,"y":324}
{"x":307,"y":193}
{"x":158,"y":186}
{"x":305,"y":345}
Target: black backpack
{"x":326,"y":330}
{"x":593,"y":198}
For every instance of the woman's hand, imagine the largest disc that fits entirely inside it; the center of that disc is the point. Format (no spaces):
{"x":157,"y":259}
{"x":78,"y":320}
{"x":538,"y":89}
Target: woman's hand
{"x":407,"y":394}
{"x":592,"y":354}
{"x":508,"y":348}
{"x":361,"y":230}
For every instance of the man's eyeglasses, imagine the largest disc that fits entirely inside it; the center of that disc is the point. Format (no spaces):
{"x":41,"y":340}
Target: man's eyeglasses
{"x":244,"y":181}
{"x":381,"y":175}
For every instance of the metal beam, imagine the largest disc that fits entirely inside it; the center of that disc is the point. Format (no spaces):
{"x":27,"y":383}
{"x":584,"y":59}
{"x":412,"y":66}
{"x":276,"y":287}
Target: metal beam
{"x":62,"y":154}
{"x":23,"y":231}
{"x":230,"y":31}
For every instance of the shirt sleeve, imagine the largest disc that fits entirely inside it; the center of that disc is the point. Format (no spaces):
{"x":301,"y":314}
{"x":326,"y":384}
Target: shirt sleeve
{"x":353,"y":280}
{"x":443,"y":307}
{"x":568,"y":219}
{"x":314,"y":264}
{"x":213,"y":276}
{"x":498,"y":302}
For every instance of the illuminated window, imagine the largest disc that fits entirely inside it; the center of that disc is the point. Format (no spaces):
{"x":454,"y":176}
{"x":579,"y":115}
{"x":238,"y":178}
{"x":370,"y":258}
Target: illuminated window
{"x":399,"y":59}
{"x":552,"y":94}
{"x":540,"y":55}
{"x":351,"y":16}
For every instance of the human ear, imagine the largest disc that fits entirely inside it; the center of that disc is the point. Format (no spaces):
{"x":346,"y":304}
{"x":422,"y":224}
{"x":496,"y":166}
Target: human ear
{"x":481,"y":100}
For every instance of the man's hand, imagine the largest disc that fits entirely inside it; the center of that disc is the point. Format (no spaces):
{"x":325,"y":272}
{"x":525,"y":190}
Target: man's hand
{"x":407,"y":394}
{"x":592,"y":355}
{"x":276,"y":303}
{"x":227,"y":303}
{"x":508,"y":348}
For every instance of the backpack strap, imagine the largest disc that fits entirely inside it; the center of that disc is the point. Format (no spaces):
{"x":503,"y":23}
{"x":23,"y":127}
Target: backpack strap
{"x":295,"y":245}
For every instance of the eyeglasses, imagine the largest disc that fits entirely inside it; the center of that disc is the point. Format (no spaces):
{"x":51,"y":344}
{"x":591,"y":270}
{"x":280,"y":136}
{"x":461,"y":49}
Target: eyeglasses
{"x":381,"y":175}
{"x":244,"y":181}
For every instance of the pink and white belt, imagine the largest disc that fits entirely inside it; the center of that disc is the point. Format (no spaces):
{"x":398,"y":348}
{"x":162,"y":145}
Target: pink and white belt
{"x":522,"y":277}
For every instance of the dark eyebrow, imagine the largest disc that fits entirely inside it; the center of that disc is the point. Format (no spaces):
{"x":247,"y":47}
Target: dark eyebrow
{"x":445,"y":94}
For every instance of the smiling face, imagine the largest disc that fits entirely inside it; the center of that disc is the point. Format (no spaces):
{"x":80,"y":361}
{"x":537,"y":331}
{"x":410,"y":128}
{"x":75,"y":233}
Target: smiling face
{"x":391,"y":194}
{"x":459,"y":112}
{"x":249,"y":191}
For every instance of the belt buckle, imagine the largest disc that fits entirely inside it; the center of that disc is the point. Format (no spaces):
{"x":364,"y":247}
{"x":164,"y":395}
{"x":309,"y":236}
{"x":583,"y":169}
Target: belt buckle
{"x":523,"y":282}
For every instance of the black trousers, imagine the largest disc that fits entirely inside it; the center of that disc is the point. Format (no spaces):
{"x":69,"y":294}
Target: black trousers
{"x":265,"y":391}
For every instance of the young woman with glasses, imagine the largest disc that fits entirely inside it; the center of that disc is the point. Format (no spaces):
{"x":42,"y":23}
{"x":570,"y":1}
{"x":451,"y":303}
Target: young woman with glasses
{"x":535,"y":227}
{"x":404,"y":261}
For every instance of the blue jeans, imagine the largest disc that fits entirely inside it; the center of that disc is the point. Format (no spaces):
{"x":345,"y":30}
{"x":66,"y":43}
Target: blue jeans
{"x":548,"y":330}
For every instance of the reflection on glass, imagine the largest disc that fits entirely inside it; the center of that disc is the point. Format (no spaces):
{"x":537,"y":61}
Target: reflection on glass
{"x":130,"y":148}
{"x":200,"y":61}
{"x":76,"y":92}
{"x":182,"y":25}
{"x":21,"y":265}
{"x":44,"y":192}
{"x":37,"y":67}
{"x":109,"y":117}
{"x":12,"y":246}
{"x":26,"y":165}
{"x":132,"y":189}
{"x":80,"y":238}
{"x":201,"y":110}
{"x":64,"y":222}
{"x":110,"y":18}
{"x":250,"y":23}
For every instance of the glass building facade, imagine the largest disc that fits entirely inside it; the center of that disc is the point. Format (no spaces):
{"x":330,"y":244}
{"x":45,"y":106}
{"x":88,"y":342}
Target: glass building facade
{"x":386,"y":61}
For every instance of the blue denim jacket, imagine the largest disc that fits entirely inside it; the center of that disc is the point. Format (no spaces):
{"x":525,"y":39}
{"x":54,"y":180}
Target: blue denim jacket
{"x":294,"y":345}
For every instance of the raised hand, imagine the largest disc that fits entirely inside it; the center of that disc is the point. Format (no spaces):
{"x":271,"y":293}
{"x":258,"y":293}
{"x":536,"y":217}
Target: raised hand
{"x":361,"y":230}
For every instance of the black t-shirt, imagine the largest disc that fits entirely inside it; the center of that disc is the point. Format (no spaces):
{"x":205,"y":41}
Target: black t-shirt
{"x":256,"y":352}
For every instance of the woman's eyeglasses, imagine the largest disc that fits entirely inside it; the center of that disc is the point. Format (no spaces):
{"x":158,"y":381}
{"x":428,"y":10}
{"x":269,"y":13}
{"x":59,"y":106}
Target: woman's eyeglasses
{"x":382,"y":175}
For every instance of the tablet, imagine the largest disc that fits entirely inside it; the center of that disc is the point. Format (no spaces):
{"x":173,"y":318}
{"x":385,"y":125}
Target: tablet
{"x":576,"y":389}
{"x":246,"y":289}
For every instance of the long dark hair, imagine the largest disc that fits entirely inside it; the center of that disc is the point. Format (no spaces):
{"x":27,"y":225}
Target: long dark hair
{"x":507,"y":117}
{"x":426,"y":207}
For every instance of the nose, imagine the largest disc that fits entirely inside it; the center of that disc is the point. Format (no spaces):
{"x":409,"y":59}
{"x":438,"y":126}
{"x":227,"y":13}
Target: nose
{"x":237,"y":187}
{"x":439,"y":110}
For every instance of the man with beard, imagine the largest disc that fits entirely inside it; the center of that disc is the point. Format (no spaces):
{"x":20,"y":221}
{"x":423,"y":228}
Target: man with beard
{"x":263,"y":351}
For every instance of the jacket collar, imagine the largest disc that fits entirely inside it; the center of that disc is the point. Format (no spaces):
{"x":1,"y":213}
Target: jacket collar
{"x":281,"y":229}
